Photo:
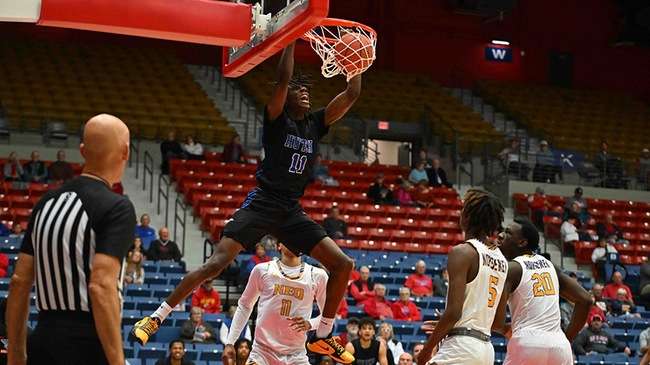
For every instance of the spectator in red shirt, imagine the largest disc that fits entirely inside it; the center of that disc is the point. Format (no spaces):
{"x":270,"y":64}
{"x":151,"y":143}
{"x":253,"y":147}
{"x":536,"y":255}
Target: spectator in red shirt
{"x":4,"y":265}
{"x":617,"y":283}
{"x":342,"y":312}
{"x":420,"y":284}
{"x":538,"y":205}
{"x":404,"y":309}
{"x":207,"y":298}
{"x":363,"y":288}
{"x":379,"y":307}
{"x":354,"y":276}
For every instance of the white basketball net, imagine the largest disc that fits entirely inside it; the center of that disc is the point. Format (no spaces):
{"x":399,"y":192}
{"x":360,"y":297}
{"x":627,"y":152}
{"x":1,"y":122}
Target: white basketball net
{"x":323,"y":40}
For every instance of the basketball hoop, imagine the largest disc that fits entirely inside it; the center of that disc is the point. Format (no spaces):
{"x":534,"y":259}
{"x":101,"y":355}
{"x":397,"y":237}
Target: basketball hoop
{"x":344,"y":46}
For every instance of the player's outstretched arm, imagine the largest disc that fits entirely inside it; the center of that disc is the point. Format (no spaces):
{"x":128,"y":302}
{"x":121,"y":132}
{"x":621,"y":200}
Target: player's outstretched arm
{"x":512,"y":281}
{"x":342,"y":102}
{"x":285,"y":72}
{"x":459,"y":263}
{"x":18,"y":308}
{"x":572,"y":291}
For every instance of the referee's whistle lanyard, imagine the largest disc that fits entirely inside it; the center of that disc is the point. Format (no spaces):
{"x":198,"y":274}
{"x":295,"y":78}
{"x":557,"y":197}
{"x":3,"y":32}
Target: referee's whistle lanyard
{"x":97,"y":177}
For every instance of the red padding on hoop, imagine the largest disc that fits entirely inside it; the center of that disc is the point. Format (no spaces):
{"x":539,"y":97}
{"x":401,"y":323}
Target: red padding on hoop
{"x":198,"y":21}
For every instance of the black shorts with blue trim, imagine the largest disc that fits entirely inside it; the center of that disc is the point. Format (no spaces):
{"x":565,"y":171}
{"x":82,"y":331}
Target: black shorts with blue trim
{"x":265,"y":213}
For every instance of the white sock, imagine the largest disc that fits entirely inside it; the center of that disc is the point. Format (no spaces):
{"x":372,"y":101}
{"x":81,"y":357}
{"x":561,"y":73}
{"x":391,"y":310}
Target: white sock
{"x":162,"y":312}
{"x":324,"y":327}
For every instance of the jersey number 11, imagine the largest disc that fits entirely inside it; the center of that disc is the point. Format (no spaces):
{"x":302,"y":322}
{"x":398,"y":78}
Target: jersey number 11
{"x":298,"y":163}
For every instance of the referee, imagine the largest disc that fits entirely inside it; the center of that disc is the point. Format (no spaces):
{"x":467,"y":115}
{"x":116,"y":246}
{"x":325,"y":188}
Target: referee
{"x":74,"y":248}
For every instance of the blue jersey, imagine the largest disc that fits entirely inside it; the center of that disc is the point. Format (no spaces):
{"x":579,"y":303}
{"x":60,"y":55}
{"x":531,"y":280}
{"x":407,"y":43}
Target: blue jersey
{"x":290,"y":147}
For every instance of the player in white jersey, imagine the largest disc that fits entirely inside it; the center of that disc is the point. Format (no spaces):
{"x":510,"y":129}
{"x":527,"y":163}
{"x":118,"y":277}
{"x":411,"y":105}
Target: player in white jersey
{"x":477,"y":273}
{"x":533,"y":290}
{"x":286,"y":289}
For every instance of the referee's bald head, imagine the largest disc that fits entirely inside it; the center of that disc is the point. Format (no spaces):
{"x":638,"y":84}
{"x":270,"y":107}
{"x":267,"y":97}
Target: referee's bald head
{"x":105,"y":147}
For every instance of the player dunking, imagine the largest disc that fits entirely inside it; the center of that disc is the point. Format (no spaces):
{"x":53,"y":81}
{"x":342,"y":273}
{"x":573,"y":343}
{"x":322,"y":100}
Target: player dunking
{"x":533,"y":290}
{"x":286,"y":289}
{"x":477,"y":272}
{"x":291,"y":133}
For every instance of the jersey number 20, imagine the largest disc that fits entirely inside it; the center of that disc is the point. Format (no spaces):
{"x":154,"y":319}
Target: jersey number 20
{"x":543,"y":285}
{"x":298,"y":163}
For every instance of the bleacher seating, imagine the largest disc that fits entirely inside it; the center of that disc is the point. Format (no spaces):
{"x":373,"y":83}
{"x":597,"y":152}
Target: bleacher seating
{"x":216,"y":189}
{"x":386,"y":96}
{"x":149,"y":89}
{"x":632,"y":217}
{"x":575,"y":119}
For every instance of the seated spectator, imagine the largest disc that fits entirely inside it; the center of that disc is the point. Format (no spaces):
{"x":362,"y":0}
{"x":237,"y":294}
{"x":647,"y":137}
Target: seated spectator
{"x":569,"y":232}
{"x":195,"y":330}
{"x":644,"y":341}
{"x":134,"y":272}
{"x":566,"y":312}
{"x":610,"y":168}
{"x":17,"y":231}
{"x":405,"y":359}
{"x":417,"y":350}
{"x":164,"y":248}
{"x":170,"y":149}
{"x":610,"y":230}
{"x":137,"y":246}
{"x":378,"y":306}
{"x":4,"y":230}
{"x":644,"y":284}
{"x":577,"y":212}
{"x":192,"y":149}
{"x":511,"y":158}
{"x":436,"y":175}
{"x":233,"y":151}
{"x":367,"y":347}
{"x":246,"y":333}
{"x":258,"y":258}
{"x":4,"y":265}
{"x":363,"y":288}
{"x":403,"y":194}
{"x":418,"y":173}
{"x":404,"y":309}
{"x":576,"y":198}
{"x":423,"y":156}
{"x":599,"y":301}
{"x":12,"y":169}
{"x":146,"y":232}
{"x":321,"y":173}
{"x":419,"y":282}
{"x":643,"y":168}
{"x":600,"y":256}
{"x":379,"y":193}
{"x":60,"y":170}
{"x":545,"y":169}
{"x":422,"y":195}
{"x":176,"y":355}
{"x":538,"y":205}
{"x":621,"y":307}
{"x":595,"y":340}
{"x":611,"y":289}
{"x":35,"y":170}
{"x":394,"y":346}
{"x":351,"y":331}
{"x":243,"y":348}
{"x":335,"y":226}
{"x":207,"y":298}
{"x":441,"y":283}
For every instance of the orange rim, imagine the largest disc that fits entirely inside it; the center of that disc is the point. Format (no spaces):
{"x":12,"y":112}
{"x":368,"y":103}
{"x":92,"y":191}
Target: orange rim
{"x":333,"y":22}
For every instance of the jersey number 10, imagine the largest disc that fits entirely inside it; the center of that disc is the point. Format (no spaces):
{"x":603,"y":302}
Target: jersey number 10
{"x":298,"y":163}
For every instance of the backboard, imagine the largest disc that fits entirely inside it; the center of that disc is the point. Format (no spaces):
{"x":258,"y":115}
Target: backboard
{"x":276,"y":23}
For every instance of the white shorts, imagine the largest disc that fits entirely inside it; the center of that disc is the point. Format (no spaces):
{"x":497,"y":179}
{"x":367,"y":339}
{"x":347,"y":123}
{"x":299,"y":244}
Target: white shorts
{"x":463,"y":350}
{"x":263,"y":356}
{"x":539,"y":348}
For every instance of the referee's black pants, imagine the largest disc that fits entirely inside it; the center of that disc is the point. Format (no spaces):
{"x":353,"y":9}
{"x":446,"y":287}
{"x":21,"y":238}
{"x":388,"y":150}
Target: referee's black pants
{"x":65,"y":339}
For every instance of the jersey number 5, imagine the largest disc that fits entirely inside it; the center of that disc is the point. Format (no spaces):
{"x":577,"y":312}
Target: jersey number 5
{"x":285,"y":308}
{"x":543,"y":285}
{"x":492,"y":291}
{"x":298,"y":163}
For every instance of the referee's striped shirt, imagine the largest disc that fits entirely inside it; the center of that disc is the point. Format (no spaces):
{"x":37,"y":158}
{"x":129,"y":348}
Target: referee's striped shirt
{"x":67,"y":228}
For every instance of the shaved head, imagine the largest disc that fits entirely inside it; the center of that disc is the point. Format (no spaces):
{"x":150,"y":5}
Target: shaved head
{"x":105,"y":147}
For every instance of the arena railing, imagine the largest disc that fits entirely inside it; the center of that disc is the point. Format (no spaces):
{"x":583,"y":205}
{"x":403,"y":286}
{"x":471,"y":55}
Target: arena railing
{"x":163,"y":195}
{"x":148,"y":171}
{"x":134,"y":150}
{"x":180,"y":219}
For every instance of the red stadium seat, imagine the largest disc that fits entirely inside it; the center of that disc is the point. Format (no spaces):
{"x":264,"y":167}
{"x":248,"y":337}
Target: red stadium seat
{"x":378,"y":234}
{"x":408,"y":224}
{"x":625,"y":248}
{"x":415,"y":247}
{"x":388,"y":223}
{"x":369,"y":245}
{"x":443,"y":238}
{"x":392,"y":246}
{"x":6,"y":214}
{"x":396,"y":211}
{"x":627,"y":260}
{"x":429,"y":225}
{"x":358,"y":233}
{"x":400,"y":235}
{"x":437,"y":249}
{"x":583,"y":251}
{"x":520,"y":203}
{"x":450,"y":226}
{"x":422,"y":237}
{"x":436,"y":214}
{"x":364,"y":221}
{"x":416,"y":212}
{"x":351,"y":244}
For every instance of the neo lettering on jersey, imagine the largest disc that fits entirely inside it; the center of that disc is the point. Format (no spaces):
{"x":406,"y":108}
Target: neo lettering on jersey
{"x":536,"y":265}
{"x":299,"y":144}
{"x":297,"y":293}
{"x":494,"y":263}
